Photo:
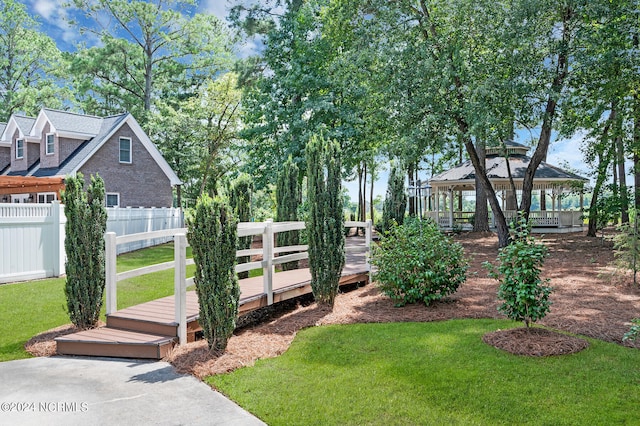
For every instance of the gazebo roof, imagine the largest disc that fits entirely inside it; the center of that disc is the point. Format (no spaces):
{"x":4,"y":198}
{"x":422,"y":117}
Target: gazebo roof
{"x":463,"y":176}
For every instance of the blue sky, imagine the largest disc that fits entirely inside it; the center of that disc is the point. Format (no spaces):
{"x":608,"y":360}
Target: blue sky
{"x":54,"y":20}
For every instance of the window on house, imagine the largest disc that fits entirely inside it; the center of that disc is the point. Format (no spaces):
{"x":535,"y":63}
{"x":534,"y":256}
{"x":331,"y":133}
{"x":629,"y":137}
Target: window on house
{"x":125,"y":150}
{"x":50,"y":144}
{"x":112,"y":200}
{"x":46,"y":197}
{"x":19,"y":148}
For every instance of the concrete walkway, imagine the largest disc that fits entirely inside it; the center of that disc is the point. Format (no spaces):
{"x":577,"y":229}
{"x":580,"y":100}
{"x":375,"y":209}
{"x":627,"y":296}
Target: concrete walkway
{"x":105,"y":391}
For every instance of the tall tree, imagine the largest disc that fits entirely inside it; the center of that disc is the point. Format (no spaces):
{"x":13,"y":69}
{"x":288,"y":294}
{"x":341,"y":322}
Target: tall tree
{"x":240,"y":201}
{"x":198,"y":136}
{"x":150,"y":48}
{"x":28,"y":63}
{"x":288,"y":200}
{"x":395,"y":203}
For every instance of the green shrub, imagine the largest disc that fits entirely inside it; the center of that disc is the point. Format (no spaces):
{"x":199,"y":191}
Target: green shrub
{"x":288,"y":200}
{"x":524,"y":294}
{"x":417,"y":263}
{"x":627,"y":249}
{"x":325,"y":223}
{"x":240,"y":199}
{"x":212,"y":233}
{"x":395,"y":202}
{"x":634,"y":332}
{"x":84,"y":245}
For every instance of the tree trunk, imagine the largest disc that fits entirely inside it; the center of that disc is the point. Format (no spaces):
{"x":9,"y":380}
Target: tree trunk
{"x":636,"y":139}
{"x":603,"y":165}
{"x":622,"y":178}
{"x":371,"y":209}
{"x":481,"y":215}
{"x":545,"y":134}
{"x":360,"y":194}
{"x":363,"y":215}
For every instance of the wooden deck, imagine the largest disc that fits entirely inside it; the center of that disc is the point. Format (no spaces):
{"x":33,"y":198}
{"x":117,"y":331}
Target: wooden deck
{"x":149,"y":330}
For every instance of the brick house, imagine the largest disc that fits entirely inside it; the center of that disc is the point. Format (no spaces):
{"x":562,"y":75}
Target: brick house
{"x":57,"y":144}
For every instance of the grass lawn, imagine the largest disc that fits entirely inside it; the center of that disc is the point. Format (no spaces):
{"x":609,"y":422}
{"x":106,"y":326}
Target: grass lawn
{"x":32,"y":307}
{"x":433,"y":373}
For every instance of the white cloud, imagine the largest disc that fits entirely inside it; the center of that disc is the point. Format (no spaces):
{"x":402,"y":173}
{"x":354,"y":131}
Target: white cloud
{"x":46,"y":8}
{"x":219,"y":8}
{"x":53,"y":13}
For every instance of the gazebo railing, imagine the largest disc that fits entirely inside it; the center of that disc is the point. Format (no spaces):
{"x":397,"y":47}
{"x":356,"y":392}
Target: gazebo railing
{"x":542,"y":219}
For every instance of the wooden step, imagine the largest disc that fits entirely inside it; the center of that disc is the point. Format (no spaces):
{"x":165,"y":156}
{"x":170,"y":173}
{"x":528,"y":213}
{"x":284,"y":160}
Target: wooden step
{"x":156,"y":317}
{"x":110,"y":342}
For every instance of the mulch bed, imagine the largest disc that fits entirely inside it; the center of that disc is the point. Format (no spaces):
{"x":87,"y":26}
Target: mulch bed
{"x":590,"y":298}
{"x":534,"y":342}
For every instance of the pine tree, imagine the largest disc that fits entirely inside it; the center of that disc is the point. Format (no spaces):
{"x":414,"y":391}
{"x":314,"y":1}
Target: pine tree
{"x":240,"y":199}
{"x":395,"y":202}
{"x":212,"y":233}
{"x":325,"y":224}
{"x":84,"y":245}
{"x":288,"y":199}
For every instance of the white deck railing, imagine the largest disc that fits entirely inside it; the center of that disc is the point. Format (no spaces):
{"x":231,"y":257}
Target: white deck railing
{"x":546,"y":219}
{"x":268,"y":251}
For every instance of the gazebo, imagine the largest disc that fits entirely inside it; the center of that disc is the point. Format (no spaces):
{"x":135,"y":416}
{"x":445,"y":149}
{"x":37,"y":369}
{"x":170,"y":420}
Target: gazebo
{"x":549,"y":182}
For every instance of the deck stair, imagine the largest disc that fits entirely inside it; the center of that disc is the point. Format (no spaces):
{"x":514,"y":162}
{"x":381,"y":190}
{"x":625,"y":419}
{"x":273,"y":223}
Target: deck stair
{"x":142,"y":331}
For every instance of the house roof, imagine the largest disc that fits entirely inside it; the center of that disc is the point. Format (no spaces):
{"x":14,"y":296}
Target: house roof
{"x":68,"y":123}
{"x":23,"y":123}
{"x":2,"y":127}
{"x":496,"y":167}
{"x":108,"y":126}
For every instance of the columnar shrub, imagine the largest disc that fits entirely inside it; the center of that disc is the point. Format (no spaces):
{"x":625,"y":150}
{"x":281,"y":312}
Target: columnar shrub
{"x":288,"y":199}
{"x":84,"y":245}
{"x":212,"y":234}
{"x":240,"y":198}
{"x":417,"y":263}
{"x":395,"y":203}
{"x":325,"y":224}
{"x":524,"y":294}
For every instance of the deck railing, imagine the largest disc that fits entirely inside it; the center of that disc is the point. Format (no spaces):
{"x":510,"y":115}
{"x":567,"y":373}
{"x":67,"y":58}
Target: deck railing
{"x":270,"y":258}
{"x":545,"y":219}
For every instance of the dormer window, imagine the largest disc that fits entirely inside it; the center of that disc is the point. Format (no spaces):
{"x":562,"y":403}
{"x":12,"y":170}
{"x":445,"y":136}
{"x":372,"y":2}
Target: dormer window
{"x":19,"y":149}
{"x":125,"y":150}
{"x":51,"y":145}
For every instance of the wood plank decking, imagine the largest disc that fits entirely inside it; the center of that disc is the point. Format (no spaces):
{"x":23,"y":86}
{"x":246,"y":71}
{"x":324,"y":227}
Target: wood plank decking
{"x":149,"y":330}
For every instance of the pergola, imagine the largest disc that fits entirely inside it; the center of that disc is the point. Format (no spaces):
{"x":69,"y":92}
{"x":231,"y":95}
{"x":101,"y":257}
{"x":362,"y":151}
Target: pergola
{"x":10,"y":185}
{"x":548,"y":181}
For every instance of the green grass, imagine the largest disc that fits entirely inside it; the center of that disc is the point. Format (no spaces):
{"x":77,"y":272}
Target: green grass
{"x":29,"y":308}
{"x":434,"y":373}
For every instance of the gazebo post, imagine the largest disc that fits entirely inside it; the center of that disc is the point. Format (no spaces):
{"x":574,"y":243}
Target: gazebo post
{"x":451,"y":207}
{"x":437,"y":200}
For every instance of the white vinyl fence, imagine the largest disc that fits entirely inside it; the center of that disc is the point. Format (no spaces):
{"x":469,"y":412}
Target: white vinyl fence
{"x":32,"y":236}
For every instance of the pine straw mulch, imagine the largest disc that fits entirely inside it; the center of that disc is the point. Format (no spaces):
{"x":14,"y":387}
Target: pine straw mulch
{"x":590,"y":298}
{"x":534,"y":342}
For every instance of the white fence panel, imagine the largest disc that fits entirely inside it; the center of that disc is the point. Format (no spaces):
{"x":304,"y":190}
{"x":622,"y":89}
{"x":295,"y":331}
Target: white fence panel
{"x":127,"y":221}
{"x":31,"y":241}
{"x":32,"y":236}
